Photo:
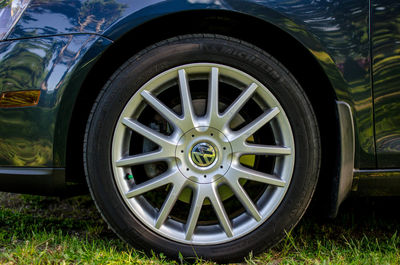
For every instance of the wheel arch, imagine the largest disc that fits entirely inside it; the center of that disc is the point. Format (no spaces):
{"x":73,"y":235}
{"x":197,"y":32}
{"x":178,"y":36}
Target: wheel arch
{"x":315,"y":77}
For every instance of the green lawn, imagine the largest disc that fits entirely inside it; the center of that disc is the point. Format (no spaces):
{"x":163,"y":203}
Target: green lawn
{"x":45,"y":230}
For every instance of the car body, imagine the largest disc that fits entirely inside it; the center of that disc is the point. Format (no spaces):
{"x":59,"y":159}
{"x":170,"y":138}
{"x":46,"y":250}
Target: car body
{"x":344,"y":54}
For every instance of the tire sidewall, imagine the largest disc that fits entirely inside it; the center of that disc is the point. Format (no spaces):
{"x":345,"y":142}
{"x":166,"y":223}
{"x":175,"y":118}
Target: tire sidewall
{"x":127,"y":80}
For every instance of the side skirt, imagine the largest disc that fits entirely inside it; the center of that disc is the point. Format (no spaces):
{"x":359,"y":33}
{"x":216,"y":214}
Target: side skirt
{"x":40,"y":181}
{"x":385,"y":182}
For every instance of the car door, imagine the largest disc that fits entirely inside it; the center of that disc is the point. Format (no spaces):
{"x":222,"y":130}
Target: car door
{"x":385,"y":34}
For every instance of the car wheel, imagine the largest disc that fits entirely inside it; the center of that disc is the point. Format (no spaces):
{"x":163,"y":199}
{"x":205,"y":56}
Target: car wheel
{"x":202,"y":145}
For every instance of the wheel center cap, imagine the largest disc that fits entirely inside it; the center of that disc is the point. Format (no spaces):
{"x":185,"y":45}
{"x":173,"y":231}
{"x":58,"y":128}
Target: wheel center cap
{"x":203,"y":154}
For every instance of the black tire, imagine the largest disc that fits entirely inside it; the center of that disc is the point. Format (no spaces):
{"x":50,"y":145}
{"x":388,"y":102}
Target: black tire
{"x":190,"y":49}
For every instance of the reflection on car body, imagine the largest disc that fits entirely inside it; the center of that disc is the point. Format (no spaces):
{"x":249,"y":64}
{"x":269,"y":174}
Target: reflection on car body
{"x":202,"y":127}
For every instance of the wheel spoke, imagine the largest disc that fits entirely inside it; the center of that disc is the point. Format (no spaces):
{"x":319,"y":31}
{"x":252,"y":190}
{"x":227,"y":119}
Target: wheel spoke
{"x":159,"y":155}
{"x":152,"y":135}
{"x":244,"y":199}
{"x":154,"y":183}
{"x":227,"y":136}
{"x":257,"y":149}
{"x":221,"y":213}
{"x":194,"y":214}
{"x":212,"y":105}
{"x":169,"y":203}
{"x":187,"y":107}
{"x":238,"y":104}
{"x":166,"y":112}
{"x":239,"y":172}
{"x":255,"y":125}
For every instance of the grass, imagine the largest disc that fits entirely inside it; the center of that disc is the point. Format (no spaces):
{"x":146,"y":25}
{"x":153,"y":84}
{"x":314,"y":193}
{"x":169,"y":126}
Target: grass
{"x":45,"y":230}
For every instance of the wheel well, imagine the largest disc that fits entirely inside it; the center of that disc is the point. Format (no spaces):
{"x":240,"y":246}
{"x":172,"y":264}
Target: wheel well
{"x":310,"y":75}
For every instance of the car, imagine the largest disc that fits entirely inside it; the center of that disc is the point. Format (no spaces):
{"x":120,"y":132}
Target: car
{"x":201,"y":128}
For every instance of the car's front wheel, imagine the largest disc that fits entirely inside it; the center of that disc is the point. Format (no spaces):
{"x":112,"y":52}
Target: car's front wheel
{"x":202,"y":145}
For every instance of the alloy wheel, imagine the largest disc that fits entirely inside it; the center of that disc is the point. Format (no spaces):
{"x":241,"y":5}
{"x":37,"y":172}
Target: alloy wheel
{"x":203,"y":153}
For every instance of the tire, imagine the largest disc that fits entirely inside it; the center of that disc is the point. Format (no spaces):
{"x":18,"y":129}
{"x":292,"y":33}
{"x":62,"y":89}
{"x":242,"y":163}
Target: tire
{"x":202,"y":145}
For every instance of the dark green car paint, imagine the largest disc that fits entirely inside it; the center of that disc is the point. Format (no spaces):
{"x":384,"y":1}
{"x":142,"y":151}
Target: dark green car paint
{"x":55,"y":44}
{"x":35,"y":136}
{"x":386,"y":65}
{"x":338,"y":42}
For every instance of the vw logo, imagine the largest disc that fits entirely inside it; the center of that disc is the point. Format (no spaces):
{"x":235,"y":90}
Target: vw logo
{"x":203,"y":154}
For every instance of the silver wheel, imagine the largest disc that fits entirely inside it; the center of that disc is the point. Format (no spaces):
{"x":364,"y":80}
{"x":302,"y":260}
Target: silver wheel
{"x":202,"y":152}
